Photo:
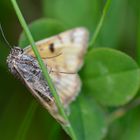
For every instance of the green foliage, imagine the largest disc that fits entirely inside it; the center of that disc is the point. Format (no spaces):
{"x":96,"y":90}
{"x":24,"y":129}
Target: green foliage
{"x":44,"y":28}
{"x":87,"y":118}
{"x":79,"y":107}
{"x":112,"y":70}
{"x":126,"y":128}
{"x":110,"y":78}
{"x":116,"y":76}
{"x":74,"y":13}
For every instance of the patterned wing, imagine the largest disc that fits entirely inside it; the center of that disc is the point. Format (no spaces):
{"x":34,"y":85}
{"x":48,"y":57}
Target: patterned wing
{"x":63,"y":52}
{"x":50,"y":106}
{"x":63,"y":55}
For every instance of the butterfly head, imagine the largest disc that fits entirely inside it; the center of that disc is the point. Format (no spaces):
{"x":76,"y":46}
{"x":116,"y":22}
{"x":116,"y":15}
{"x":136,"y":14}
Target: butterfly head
{"x":14,"y":56}
{"x":16,"y":51}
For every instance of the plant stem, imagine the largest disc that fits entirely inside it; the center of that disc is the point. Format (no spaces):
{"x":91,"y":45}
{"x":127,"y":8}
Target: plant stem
{"x":138,"y":41}
{"x":100,"y":24}
{"x":43,"y":68}
{"x":123,"y":110}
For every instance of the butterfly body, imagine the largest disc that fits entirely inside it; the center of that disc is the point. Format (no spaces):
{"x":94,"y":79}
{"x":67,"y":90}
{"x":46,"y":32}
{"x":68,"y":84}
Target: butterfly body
{"x":26,"y":68}
{"x":63,"y":56}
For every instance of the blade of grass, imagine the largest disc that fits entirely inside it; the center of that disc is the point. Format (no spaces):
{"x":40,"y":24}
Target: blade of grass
{"x":100,"y":24}
{"x":22,"y":132}
{"x":138,"y":41}
{"x":43,"y":68}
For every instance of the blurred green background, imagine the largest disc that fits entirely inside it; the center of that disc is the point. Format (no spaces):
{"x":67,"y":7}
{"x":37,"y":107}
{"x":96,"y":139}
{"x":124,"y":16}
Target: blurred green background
{"x":120,"y":31}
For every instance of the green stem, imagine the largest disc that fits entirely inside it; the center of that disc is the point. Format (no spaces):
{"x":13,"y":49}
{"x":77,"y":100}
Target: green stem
{"x":100,"y":24}
{"x":118,"y":113}
{"x":22,"y":132}
{"x":43,"y":68}
{"x":138,"y":41}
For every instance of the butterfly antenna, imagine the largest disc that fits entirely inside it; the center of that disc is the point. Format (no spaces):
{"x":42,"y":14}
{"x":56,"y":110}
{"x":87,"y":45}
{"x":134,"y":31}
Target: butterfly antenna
{"x":2,"y":33}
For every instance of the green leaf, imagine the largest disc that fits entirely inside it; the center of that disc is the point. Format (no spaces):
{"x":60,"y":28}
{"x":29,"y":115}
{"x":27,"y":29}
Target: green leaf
{"x":40,"y":29}
{"x":74,"y":13}
{"x":112,"y":77}
{"x":87,"y":119}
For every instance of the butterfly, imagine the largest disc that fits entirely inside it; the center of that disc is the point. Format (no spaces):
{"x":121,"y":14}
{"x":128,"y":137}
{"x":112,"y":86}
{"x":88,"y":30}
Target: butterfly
{"x":63,"y":56}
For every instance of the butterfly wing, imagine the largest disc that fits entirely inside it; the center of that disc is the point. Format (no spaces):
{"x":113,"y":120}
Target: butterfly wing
{"x":51,"y":107}
{"x":67,"y":86}
{"x":63,"y":56}
{"x":63,"y":52}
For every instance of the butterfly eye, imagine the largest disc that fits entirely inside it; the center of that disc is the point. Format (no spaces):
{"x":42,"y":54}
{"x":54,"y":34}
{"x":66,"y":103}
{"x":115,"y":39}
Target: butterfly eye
{"x":51,"y":47}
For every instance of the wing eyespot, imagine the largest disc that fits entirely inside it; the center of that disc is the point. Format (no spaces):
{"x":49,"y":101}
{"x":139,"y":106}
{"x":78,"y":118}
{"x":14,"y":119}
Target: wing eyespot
{"x":51,"y":47}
